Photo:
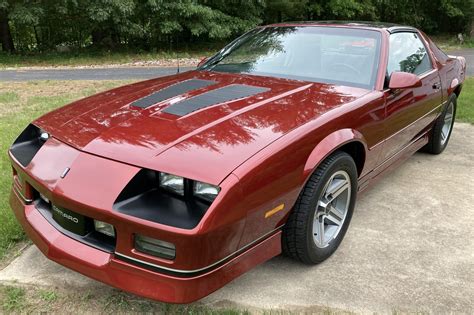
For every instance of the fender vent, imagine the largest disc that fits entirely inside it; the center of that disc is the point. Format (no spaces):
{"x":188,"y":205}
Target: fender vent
{"x":171,"y":91}
{"x":222,"y":95}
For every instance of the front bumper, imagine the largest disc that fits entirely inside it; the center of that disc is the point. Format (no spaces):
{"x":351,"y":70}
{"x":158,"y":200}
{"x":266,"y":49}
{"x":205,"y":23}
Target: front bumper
{"x":108,"y":268}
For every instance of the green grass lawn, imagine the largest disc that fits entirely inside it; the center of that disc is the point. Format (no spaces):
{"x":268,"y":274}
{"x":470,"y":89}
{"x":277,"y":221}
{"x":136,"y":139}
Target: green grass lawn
{"x":87,"y":58}
{"x":17,"y":299}
{"x":465,"y":109}
{"x":21,"y":102}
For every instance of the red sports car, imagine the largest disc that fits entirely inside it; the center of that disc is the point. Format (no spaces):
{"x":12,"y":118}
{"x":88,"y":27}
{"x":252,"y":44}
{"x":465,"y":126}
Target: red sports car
{"x":172,"y":187}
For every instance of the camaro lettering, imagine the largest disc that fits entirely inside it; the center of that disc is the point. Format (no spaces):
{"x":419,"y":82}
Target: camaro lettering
{"x":65,"y":215}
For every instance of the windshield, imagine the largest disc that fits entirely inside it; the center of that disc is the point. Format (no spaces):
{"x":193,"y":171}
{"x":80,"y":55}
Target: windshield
{"x":332,"y":55}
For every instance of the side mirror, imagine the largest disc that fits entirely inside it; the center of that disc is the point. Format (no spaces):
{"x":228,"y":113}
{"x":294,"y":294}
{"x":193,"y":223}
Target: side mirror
{"x":203,"y":60}
{"x":404,"y":80}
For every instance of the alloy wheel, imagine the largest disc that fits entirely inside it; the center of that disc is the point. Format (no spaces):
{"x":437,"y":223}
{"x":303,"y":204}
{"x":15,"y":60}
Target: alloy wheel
{"x":448,"y":123}
{"x":331,"y":209}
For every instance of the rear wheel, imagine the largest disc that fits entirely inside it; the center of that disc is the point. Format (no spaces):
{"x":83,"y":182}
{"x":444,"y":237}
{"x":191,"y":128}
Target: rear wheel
{"x":322,"y":213}
{"x":442,"y":128}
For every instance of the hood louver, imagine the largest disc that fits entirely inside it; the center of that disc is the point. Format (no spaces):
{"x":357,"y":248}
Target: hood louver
{"x":171,"y":91}
{"x":217,"y":96}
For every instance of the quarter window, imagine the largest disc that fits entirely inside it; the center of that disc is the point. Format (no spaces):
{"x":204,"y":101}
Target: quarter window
{"x":407,"y":54}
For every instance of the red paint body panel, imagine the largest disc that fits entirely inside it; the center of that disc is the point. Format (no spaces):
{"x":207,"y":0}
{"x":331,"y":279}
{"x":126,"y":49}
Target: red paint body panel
{"x":260,"y":150}
{"x":105,"y":268}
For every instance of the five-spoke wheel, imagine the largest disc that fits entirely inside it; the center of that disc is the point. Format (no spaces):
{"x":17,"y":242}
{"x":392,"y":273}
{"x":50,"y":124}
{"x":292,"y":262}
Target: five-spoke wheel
{"x":322,"y":213}
{"x":332,"y":209}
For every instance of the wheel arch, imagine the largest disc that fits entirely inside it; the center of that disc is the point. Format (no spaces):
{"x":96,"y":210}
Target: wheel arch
{"x":455,"y":87}
{"x":348,"y":140}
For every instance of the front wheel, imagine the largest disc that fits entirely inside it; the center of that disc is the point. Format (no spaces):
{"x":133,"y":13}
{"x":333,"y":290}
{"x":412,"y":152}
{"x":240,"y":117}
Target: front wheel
{"x":322,"y":213}
{"x":442,"y":128}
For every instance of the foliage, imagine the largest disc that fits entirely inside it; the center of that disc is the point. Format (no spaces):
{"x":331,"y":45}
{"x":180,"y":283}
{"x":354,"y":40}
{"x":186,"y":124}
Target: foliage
{"x":38,"y":25}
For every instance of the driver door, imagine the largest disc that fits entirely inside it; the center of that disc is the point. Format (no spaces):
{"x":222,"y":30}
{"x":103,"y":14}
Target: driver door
{"x":409,"y":112}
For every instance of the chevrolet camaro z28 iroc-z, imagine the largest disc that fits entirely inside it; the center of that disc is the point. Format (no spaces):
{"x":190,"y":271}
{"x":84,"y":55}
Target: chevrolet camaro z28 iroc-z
{"x":172,"y":187}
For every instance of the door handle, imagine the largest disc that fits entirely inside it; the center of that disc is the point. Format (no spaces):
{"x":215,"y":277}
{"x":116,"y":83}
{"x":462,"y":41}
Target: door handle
{"x":436,"y":86}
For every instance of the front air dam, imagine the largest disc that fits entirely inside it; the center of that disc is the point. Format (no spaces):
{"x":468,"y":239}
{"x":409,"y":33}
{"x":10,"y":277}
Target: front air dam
{"x":105,"y":267}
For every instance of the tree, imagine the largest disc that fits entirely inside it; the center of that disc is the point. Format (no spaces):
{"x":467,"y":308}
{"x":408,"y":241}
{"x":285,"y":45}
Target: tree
{"x":40,"y":25}
{"x":6,"y":38}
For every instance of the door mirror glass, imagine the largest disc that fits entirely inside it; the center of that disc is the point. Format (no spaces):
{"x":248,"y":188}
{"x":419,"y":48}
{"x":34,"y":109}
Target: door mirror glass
{"x":404,"y":80}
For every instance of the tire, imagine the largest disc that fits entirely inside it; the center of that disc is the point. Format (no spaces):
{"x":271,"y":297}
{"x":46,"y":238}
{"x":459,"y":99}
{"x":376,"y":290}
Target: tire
{"x":300,"y":239}
{"x":438,"y":138}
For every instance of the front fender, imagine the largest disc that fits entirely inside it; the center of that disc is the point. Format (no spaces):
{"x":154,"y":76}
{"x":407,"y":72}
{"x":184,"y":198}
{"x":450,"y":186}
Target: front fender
{"x":328,"y":145}
{"x":454,"y":84}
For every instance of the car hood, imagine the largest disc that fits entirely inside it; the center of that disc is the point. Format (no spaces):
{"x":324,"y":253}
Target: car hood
{"x":203,"y":127}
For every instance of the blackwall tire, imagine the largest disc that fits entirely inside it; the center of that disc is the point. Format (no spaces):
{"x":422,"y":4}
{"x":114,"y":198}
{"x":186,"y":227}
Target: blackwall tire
{"x":323,"y":211}
{"x":442,"y":128}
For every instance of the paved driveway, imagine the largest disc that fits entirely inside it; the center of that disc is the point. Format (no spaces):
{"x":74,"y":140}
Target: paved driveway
{"x":410,"y":248}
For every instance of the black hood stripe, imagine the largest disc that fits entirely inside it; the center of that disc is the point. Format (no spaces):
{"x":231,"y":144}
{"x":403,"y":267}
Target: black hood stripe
{"x":217,"y":96}
{"x":171,"y":91}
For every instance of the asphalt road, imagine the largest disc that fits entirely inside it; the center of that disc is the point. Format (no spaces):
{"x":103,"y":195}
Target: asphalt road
{"x":467,"y":53}
{"x":409,"y":249}
{"x":89,"y":74}
{"x":136,"y":72}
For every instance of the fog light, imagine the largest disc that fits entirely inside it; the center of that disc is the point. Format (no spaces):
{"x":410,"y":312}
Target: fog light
{"x":155,"y":247}
{"x":104,"y":228}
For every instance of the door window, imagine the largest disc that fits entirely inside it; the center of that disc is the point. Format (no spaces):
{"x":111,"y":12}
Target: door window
{"x":407,"y":54}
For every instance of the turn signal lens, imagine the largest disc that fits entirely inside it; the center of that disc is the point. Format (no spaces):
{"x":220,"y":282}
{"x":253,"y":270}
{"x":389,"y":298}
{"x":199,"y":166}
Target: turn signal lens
{"x":155,"y":247}
{"x":104,"y":228}
{"x":205,"y":191}
{"x":172,"y":183}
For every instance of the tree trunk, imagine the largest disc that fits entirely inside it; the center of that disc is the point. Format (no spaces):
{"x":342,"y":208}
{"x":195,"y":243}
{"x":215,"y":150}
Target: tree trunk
{"x":37,"y":38}
{"x":97,"y":37}
{"x":5,"y":34}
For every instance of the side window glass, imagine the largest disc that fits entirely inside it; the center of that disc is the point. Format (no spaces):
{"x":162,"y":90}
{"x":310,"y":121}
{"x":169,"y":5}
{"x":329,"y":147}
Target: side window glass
{"x":407,"y":54}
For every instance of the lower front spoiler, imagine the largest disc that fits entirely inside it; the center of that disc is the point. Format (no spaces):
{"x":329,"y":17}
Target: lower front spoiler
{"x":105,"y":267}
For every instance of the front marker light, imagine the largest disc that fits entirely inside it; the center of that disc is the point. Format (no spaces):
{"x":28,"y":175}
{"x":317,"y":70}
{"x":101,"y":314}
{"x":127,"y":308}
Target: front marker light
{"x":172,"y":183}
{"x":205,"y":191}
{"x":155,"y":247}
{"x":104,"y":228}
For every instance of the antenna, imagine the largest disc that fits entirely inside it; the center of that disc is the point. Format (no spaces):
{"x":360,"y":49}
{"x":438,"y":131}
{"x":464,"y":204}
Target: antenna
{"x":177,"y":53}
